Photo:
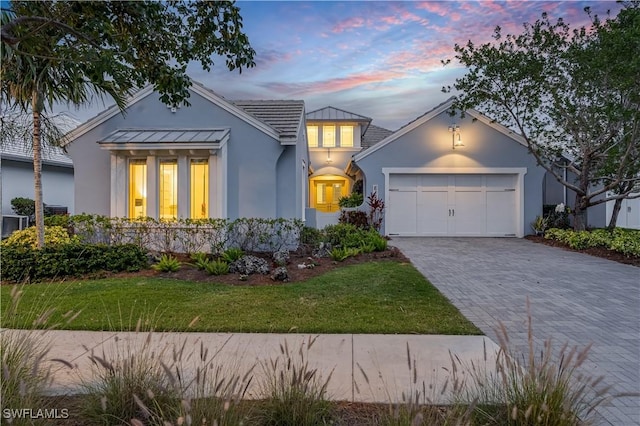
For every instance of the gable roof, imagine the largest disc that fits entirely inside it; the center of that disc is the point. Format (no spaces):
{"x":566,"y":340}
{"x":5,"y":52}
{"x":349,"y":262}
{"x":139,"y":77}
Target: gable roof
{"x":439,"y":109}
{"x":284,"y":133}
{"x":330,"y":113}
{"x":283,"y":115}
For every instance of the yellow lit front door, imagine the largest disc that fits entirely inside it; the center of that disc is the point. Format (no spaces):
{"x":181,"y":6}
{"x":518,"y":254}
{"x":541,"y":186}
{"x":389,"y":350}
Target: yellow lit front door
{"x":327,"y":193}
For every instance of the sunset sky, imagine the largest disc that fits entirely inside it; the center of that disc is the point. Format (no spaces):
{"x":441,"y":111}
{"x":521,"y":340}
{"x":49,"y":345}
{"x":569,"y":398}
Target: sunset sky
{"x":378,"y":59}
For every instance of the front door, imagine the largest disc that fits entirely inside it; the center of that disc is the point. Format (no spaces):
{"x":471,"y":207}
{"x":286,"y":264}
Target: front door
{"x":327,"y":193}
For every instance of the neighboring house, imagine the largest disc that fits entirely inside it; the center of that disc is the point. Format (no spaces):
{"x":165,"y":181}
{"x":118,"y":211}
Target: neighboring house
{"x":629,"y":215}
{"x":16,"y":174}
{"x":334,"y":136}
{"x":213,"y":159}
{"x":445,"y":176}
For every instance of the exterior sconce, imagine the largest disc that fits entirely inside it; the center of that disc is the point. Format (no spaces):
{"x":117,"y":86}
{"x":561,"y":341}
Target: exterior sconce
{"x":329,"y":160}
{"x":456,"y":141}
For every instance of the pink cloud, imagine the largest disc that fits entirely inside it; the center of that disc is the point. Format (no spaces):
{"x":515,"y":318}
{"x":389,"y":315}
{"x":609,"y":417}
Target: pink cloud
{"x":334,"y":84}
{"x":348,"y":24}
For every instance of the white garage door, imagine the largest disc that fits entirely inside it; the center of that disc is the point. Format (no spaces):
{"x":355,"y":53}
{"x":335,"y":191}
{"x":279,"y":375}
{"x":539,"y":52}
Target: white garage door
{"x":452,"y":205}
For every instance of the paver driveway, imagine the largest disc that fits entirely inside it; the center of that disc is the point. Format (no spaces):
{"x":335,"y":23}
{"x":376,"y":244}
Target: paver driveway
{"x":575,"y":298}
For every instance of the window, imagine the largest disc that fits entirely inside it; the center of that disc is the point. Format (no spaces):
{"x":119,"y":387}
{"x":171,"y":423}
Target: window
{"x":312,"y":135}
{"x":199,"y":189}
{"x":137,"y":188}
{"x":346,"y":136}
{"x":168,"y":186}
{"x":328,"y":136}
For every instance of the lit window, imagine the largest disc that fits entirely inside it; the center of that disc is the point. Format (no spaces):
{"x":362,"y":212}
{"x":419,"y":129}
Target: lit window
{"x":312,"y":135}
{"x":346,"y":136}
{"x":199,"y":189}
{"x":137,"y":188}
{"x":168,"y":200}
{"x":328,"y":136}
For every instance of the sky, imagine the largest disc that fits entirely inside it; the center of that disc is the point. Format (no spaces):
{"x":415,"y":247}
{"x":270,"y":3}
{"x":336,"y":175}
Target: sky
{"x":380,"y":59}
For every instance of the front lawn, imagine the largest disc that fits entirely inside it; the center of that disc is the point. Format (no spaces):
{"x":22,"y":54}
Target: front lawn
{"x":374,"y":297}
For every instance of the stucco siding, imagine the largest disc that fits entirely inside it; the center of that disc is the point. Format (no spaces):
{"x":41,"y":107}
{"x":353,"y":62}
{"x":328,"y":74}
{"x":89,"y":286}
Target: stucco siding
{"x":429,"y":146}
{"x":17,"y":181}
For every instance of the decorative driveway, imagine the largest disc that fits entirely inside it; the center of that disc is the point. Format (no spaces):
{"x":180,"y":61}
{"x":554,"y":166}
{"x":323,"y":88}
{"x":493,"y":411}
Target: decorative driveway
{"x":575,"y":298}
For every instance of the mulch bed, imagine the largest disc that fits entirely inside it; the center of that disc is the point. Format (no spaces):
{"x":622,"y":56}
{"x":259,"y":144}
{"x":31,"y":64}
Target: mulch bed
{"x":189,"y":272}
{"x":593,"y":251}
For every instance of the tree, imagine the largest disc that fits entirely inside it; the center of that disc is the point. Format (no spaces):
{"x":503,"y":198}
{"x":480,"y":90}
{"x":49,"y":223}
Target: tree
{"x":573,"y":95}
{"x":72,"y":52}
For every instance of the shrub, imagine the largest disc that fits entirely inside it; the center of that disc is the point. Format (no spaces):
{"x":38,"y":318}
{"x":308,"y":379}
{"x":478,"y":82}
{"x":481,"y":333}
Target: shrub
{"x":23,"y":206}
{"x":167,"y":263}
{"x":24,"y":263}
{"x":340,"y":254}
{"x":200,"y":260}
{"x":58,"y":220}
{"x":232,"y":254}
{"x":53,"y":235}
{"x":311,"y":236}
{"x":294,"y":393}
{"x":376,"y":211}
{"x":217,"y":267}
{"x":625,"y":241}
{"x":353,"y":200}
{"x":356,"y":217}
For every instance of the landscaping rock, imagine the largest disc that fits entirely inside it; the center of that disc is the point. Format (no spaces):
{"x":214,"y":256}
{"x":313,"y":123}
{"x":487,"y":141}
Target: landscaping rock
{"x":249,"y":264}
{"x":281,"y":257}
{"x":280,"y":274}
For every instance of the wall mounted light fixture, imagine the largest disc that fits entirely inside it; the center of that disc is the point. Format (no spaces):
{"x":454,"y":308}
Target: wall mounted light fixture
{"x":329,"y":160}
{"x":456,"y":140}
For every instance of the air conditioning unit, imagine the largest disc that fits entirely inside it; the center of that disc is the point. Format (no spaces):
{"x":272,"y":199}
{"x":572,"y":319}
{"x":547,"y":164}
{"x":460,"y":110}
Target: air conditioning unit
{"x":11,"y":223}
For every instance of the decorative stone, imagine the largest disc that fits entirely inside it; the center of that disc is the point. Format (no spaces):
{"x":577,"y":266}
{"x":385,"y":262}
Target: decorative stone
{"x":281,"y":257}
{"x":280,"y":274}
{"x":302,"y":266}
{"x":249,"y":264}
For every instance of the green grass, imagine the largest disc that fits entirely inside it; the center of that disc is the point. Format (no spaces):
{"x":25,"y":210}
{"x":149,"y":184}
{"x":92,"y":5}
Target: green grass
{"x":376,"y":297}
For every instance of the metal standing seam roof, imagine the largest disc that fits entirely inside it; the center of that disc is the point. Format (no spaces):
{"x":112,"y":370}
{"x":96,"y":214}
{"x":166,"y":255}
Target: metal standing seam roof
{"x":335,"y":114}
{"x":283,"y":115}
{"x":142,"y":136}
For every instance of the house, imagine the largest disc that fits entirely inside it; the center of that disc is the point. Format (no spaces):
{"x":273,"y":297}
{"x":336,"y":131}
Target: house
{"x":334,"y":136}
{"x":439,"y":175}
{"x":449,"y":176}
{"x":629,"y":215}
{"x":213,"y":159}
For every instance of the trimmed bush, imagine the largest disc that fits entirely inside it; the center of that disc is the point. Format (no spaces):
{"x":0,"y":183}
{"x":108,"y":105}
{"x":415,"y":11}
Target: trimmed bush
{"x":24,"y":263}
{"x":625,"y":241}
{"x":53,"y":235}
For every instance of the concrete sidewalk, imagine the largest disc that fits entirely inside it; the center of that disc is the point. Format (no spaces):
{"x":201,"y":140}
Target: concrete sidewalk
{"x":383,"y":358}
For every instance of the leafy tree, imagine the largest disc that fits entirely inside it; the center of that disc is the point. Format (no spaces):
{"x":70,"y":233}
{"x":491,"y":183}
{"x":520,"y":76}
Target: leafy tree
{"x":574,"y":95}
{"x":72,"y":52}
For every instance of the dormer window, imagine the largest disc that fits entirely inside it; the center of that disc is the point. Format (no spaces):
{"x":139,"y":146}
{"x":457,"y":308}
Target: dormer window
{"x":346,"y":136}
{"x":332,"y":136}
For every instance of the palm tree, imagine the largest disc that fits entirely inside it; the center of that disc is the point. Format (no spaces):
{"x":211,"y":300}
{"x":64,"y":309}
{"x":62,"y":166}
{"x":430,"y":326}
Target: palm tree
{"x":31,"y":83}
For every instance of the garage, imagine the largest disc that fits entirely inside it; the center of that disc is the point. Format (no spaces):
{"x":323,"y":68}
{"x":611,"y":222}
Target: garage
{"x":471,"y":205}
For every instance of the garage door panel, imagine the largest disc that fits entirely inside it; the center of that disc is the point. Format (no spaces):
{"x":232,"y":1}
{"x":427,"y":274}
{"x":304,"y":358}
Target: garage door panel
{"x":469,"y":213}
{"x":500,"y":182}
{"x":409,"y":182}
{"x":402,"y":212}
{"x":467,"y":182}
{"x":434,"y":182}
{"x":432,"y":212}
{"x":501,"y":220}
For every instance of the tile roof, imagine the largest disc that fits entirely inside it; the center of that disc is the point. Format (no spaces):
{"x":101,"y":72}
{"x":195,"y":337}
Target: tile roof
{"x":374,"y":135}
{"x":330,"y":113}
{"x":283,"y":115}
{"x":165,"y":136}
{"x":20,"y":151}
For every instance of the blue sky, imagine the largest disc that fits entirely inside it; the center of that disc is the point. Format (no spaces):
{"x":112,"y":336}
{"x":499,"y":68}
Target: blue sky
{"x":379,"y":59}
